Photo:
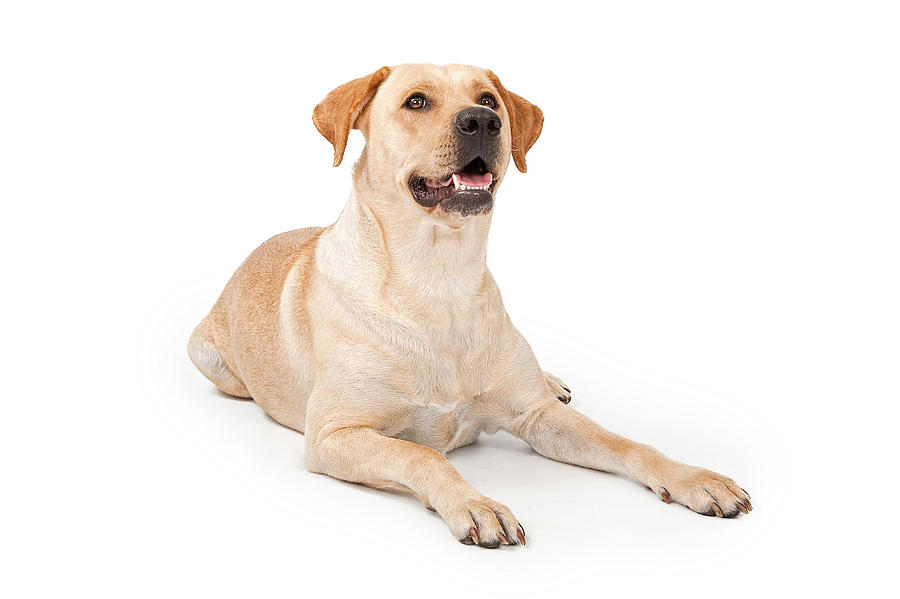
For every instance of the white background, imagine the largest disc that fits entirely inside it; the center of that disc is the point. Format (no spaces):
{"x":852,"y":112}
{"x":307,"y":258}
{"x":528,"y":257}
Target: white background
{"x":705,"y":247}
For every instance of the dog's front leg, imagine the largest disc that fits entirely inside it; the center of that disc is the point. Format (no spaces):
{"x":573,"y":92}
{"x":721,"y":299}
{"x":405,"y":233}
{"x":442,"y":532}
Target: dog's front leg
{"x":533,"y":412}
{"x":561,"y":433}
{"x":361,"y":454}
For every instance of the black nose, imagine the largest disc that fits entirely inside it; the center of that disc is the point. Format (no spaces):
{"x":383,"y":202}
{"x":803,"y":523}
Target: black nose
{"x":478,"y":121}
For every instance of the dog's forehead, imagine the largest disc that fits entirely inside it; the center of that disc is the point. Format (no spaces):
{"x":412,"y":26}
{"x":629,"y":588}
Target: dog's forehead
{"x":446,"y":78}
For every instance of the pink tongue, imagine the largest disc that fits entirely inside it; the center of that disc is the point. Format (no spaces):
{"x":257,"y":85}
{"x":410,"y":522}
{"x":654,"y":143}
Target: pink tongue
{"x":477,"y":180}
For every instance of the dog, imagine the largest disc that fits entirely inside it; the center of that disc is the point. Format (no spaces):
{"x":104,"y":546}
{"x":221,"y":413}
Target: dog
{"x":383,"y":337}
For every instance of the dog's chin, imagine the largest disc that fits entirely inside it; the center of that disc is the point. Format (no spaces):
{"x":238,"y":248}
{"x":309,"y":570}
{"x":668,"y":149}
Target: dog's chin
{"x":464,"y":202}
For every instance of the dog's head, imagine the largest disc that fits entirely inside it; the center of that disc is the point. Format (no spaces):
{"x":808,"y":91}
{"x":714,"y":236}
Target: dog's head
{"x":439,"y":136}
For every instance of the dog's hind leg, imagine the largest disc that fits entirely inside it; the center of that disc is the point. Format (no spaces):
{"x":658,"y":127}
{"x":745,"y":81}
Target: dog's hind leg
{"x":208,"y":359}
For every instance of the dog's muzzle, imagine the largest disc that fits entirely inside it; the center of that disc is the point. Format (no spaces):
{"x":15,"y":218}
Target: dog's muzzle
{"x":469,"y":190}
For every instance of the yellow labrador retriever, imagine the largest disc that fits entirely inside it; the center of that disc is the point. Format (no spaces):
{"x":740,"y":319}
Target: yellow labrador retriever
{"x":383,"y":336}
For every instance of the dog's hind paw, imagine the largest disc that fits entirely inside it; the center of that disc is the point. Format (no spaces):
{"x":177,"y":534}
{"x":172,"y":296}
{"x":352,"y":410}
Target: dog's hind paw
{"x":558,"y":388}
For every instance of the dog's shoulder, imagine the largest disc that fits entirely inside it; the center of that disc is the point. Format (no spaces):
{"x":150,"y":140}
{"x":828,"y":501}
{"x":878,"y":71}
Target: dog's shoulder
{"x":263,"y":273}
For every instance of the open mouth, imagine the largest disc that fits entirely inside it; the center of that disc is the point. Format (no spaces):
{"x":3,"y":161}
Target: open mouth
{"x":469,"y":191}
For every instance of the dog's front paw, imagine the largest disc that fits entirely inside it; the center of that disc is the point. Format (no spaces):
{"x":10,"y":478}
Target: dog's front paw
{"x":481,"y":521}
{"x":558,"y":388}
{"x":705,"y":492}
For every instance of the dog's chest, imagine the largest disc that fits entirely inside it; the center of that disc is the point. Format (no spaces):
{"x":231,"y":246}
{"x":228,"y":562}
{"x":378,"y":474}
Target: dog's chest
{"x":443,"y":427}
{"x":447,"y":374}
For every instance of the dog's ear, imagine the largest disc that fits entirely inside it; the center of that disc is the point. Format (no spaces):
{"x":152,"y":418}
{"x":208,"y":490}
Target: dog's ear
{"x":337,"y":113}
{"x":525,"y":120}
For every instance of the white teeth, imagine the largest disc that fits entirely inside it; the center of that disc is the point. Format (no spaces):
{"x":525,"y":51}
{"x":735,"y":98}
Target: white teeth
{"x":460,"y":186}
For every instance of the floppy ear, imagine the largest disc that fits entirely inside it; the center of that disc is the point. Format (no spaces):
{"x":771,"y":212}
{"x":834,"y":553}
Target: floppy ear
{"x":337,"y":113}
{"x":525,"y":120}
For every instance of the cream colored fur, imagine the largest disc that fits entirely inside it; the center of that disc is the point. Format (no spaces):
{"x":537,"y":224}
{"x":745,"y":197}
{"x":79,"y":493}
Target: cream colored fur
{"x":384,"y":339}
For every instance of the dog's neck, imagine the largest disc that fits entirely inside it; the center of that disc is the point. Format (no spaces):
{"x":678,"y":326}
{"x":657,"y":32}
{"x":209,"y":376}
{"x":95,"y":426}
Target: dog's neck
{"x":420,"y":262}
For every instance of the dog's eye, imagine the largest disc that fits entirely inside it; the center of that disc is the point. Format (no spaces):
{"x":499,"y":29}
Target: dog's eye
{"x":488,"y":100}
{"x":415,"y":102}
